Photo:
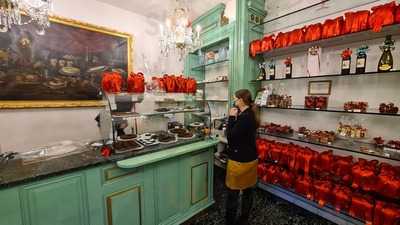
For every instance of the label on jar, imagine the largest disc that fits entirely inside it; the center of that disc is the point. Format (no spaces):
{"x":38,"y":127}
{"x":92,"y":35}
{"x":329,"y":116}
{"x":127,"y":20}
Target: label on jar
{"x":346,"y":64}
{"x":287,"y":71}
{"x":360,"y":63}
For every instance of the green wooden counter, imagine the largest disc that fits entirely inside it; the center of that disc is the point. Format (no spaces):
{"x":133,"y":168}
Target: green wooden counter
{"x":165,"y":187}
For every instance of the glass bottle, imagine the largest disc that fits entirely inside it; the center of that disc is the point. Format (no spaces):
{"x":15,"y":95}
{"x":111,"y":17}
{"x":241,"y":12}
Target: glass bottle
{"x":361,"y":59}
{"x":386,"y":60}
{"x":271,"y":71}
{"x":288,"y":68}
{"x":346,"y":61}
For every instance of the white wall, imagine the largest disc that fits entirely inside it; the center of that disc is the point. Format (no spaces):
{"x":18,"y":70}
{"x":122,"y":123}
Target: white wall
{"x":20,"y":130}
{"x":373,"y":89}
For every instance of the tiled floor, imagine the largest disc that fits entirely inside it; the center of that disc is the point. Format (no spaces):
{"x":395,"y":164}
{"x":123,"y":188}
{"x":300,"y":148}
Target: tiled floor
{"x":267,"y":210}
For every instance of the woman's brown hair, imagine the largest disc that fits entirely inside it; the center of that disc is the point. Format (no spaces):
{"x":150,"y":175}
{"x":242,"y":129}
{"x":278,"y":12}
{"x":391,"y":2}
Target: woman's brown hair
{"x":245,"y":95}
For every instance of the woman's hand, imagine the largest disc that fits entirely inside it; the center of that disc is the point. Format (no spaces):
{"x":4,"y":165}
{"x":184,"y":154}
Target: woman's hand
{"x":233,"y":111}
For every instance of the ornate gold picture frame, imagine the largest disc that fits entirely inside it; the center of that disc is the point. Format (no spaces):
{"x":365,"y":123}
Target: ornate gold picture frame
{"x":62,"y":68}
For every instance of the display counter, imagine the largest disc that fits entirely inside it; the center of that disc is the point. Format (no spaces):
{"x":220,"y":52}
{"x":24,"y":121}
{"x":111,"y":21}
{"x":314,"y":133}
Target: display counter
{"x":165,"y":184}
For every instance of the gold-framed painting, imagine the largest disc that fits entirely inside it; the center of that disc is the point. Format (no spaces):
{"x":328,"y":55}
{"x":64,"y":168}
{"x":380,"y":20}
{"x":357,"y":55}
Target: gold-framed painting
{"x":63,"y":67}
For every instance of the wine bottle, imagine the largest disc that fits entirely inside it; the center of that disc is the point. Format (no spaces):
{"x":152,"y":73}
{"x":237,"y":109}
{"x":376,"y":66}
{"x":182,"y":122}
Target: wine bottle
{"x":288,"y":68}
{"x":271,"y":71}
{"x":361,"y":59}
{"x":262,"y":75}
{"x":386,"y":61}
{"x":346,"y":61}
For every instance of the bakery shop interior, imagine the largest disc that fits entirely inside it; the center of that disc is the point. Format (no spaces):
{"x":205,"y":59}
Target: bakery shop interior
{"x":199,"y":112}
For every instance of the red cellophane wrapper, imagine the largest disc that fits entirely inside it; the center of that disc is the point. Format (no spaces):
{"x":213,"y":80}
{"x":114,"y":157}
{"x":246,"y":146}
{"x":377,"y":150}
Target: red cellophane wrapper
{"x":191,"y":86}
{"x":272,"y":174}
{"x":313,"y":32}
{"x":324,"y":162}
{"x":255,"y":48}
{"x":275,"y":151}
{"x":355,"y":21}
{"x":303,"y":186}
{"x":282,"y":40}
{"x":180,"y":84}
{"x":305,"y":160}
{"x":262,"y":149}
{"x":286,"y":178}
{"x":362,"y":207}
{"x":288,"y":156}
{"x":296,"y":36}
{"x":160,"y":83}
{"x":332,"y":27}
{"x":111,"y":82}
{"x":389,"y":182}
{"x":386,"y":213}
{"x":323,"y":191}
{"x":341,"y":198}
{"x":346,"y":54}
{"x":136,"y":83}
{"x":382,"y":15}
{"x":364,"y":175}
{"x":267,"y":43}
{"x":342,"y":168}
{"x":397,"y":16}
{"x":261,"y":170}
{"x":170,"y":84}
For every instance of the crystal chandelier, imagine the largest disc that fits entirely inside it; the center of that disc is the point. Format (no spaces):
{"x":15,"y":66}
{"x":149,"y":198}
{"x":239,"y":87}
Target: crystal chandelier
{"x":177,"y":33}
{"x":13,"y":12}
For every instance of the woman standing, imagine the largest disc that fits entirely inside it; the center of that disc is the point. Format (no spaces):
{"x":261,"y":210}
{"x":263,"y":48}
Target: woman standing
{"x":241,"y":174}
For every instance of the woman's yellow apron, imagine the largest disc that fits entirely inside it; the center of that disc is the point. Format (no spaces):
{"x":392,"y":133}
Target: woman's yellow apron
{"x":240,"y":176}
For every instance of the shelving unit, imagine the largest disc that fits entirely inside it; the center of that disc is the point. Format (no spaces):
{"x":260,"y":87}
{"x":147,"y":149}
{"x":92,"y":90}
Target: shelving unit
{"x":340,"y":40}
{"x":212,"y":82}
{"x":344,"y":145}
{"x":203,"y":67}
{"x":334,"y":110}
{"x":390,"y":73}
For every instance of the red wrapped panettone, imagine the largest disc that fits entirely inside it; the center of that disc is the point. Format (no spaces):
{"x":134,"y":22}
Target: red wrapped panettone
{"x":262,"y":149}
{"x":342,"y":168}
{"x":288,"y":156}
{"x":255,"y":48}
{"x":286,"y":179}
{"x":261,"y":170}
{"x":324,"y":162}
{"x":388,"y":184}
{"x":382,"y":15}
{"x":191,"y":86}
{"x":305,"y":159}
{"x":272,"y":174}
{"x":362,"y":207}
{"x":364,"y":175}
{"x":136,"y":83}
{"x":332,"y":27}
{"x":275,"y":150}
{"x":313,"y":32}
{"x":323,"y":191}
{"x":111,"y":82}
{"x":296,"y":36}
{"x":397,"y":16}
{"x":355,"y":21}
{"x":303,"y":186}
{"x":386,"y":213}
{"x":267,"y":43}
{"x":341,"y":198}
{"x":282,"y":40}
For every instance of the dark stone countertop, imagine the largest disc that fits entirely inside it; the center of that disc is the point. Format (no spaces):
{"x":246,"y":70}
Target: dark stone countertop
{"x":15,"y":172}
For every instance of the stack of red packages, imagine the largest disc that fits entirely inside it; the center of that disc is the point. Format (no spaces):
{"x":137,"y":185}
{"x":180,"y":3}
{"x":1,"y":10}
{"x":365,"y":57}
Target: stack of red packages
{"x":111,"y":82}
{"x":324,"y":162}
{"x":386,"y":213}
{"x":288,"y":156}
{"x":341,"y":198}
{"x":389,"y":181}
{"x":362,"y":207}
{"x":342,"y":169}
{"x":323,"y":191}
{"x":282,"y":40}
{"x":397,"y":16}
{"x":275,"y":150}
{"x":262,"y":149}
{"x":332,"y":27}
{"x":267,"y":43}
{"x":271,"y":174}
{"x":255,"y":48}
{"x":191,"y":86}
{"x":313,"y":32}
{"x":382,"y":15}
{"x":355,"y":21}
{"x":296,"y":36}
{"x":304,"y":186}
{"x":135,"y":83}
{"x":364,"y":175}
{"x":169,"y":81}
{"x":261,"y":170}
{"x":287,"y":178}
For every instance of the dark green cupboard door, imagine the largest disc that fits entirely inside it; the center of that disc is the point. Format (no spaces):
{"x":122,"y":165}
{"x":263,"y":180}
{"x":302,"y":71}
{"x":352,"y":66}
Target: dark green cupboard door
{"x":124,"y":207}
{"x":60,"y":201}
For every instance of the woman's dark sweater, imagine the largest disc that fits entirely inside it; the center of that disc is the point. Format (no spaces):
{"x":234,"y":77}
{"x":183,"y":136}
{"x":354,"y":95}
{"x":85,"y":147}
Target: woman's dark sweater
{"x":241,"y":134}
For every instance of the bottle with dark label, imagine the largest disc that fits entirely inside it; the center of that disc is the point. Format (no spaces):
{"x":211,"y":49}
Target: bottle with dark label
{"x":288,"y":68}
{"x":346,"y":61}
{"x":271,"y":71}
{"x":386,"y":60}
{"x":263,"y":74}
{"x":361,"y":59}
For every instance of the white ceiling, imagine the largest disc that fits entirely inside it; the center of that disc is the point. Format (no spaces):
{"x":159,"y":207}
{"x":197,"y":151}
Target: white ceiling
{"x":159,"y":9}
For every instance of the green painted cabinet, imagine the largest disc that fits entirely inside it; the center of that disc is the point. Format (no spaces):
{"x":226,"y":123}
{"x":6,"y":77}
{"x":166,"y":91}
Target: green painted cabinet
{"x":10,"y":213}
{"x":124,"y":207}
{"x":59,"y":201}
